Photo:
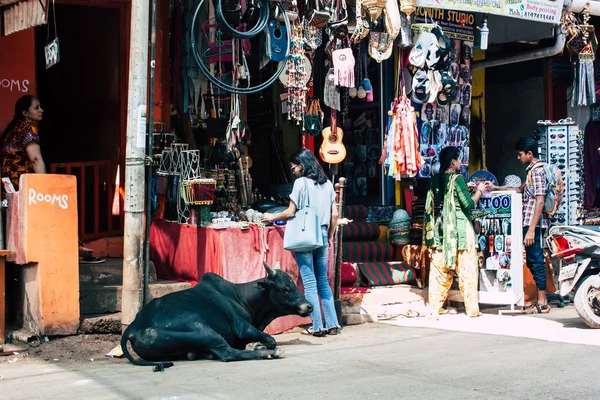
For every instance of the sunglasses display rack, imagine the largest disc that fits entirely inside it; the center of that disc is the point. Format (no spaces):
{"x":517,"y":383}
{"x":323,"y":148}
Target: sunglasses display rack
{"x":562,"y":145}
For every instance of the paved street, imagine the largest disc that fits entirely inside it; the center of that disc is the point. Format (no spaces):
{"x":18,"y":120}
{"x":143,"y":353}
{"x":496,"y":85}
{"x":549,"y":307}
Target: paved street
{"x":447,"y":359}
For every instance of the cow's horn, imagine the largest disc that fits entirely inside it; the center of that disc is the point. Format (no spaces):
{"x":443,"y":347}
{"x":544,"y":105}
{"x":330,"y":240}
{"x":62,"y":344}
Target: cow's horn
{"x":277,"y":265}
{"x":270,"y":271}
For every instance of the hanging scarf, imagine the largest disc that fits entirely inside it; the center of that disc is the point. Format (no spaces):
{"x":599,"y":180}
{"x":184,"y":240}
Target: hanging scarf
{"x":431,"y":237}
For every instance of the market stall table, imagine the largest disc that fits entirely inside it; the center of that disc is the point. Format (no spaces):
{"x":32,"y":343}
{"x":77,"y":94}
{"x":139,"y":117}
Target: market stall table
{"x":185,"y":253}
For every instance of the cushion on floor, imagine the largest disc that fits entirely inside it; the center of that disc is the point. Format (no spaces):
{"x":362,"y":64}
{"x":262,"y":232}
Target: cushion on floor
{"x":358,"y":231}
{"x":349,"y":274}
{"x":356,"y":213}
{"x":367,"y":251}
{"x":387,"y":273}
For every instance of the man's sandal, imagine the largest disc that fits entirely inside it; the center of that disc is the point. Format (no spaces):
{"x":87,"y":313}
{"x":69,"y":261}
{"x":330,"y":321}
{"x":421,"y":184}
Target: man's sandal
{"x":536,"y":308}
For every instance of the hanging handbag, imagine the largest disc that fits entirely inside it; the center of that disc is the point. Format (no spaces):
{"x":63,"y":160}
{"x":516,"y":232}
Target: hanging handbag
{"x":317,"y":16}
{"x":303,"y":231}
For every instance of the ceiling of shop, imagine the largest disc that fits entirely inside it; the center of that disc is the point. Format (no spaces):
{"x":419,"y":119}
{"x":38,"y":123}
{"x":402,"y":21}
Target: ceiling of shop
{"x":511,"y":30}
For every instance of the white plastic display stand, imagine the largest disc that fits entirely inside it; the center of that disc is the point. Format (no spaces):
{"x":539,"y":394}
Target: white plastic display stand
{"x":498,"y":221}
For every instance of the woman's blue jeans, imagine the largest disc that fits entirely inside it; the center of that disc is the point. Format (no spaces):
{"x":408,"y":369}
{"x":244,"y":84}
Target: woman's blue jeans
{"x":313,"y":267}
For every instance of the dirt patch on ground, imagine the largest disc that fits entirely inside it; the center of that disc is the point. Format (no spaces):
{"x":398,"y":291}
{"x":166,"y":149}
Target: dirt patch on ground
{"x":69,"y":349}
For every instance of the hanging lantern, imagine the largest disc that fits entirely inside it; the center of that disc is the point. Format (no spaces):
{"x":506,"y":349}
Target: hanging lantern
{"x":408,"y":7}
{"x":406,"y":34}
{"x":485,"y":32}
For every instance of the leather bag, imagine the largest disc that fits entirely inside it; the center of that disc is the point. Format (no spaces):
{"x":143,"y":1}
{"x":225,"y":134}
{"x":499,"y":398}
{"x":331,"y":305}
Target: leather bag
{"x":303,"y":231}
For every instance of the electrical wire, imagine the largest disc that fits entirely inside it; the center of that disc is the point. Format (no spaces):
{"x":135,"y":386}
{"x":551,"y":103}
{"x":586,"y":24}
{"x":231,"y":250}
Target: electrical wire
{"x":263,"y":19}
{"x":215,"y":81}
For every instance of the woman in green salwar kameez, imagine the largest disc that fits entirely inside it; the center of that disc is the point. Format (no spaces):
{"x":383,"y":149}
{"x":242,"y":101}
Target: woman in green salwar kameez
{"x":451,"y":239}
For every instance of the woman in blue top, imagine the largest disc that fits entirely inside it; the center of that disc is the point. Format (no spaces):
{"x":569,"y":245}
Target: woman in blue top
{"x":313,"y":265}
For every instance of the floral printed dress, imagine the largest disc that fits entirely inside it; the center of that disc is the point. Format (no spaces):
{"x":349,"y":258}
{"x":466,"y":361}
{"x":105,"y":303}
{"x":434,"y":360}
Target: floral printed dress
{"x":14,"y":156}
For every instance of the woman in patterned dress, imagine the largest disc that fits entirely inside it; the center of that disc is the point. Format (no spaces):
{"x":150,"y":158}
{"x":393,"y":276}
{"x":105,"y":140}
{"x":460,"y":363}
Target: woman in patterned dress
{"x":20,"y":143}
{"x":451,"y":239}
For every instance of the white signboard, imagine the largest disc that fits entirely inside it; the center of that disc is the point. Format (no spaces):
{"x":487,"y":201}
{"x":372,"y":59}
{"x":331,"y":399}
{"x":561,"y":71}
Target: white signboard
{"x":532,"y":10}
{"x":497,"y":221}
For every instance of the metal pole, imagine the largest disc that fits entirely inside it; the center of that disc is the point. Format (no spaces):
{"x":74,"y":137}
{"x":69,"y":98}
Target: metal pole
{"x":149,"y":144}
{"x":133,"y":256}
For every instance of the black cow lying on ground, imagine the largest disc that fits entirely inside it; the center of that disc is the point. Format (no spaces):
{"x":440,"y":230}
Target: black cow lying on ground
{"x":215,"y":318}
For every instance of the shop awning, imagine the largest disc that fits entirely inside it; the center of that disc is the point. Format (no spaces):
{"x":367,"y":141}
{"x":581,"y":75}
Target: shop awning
{"x":532,"y":10}
{"x":22,"y":14}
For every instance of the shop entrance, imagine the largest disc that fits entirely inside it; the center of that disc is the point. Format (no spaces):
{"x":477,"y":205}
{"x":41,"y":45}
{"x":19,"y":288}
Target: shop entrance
{"x":83,"y":98}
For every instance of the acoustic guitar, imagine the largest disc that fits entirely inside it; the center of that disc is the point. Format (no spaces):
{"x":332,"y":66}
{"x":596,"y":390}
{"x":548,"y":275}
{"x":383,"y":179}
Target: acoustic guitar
{"x":332,"y":150}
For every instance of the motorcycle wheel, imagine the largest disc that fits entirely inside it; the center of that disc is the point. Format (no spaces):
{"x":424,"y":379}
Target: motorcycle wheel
{"x":587,"y":301}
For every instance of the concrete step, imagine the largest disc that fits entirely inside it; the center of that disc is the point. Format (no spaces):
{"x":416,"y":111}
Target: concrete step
{"x":102,"y":299}
{"x":358,"y":308}
{"x":110,"y":272}
{"x":101,"y":323}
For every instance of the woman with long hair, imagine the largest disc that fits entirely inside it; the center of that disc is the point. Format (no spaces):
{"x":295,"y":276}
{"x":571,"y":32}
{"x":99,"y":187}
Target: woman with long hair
{"x":451,"y":239}
{"x":20,"y":143}
{"x":313,"y":265}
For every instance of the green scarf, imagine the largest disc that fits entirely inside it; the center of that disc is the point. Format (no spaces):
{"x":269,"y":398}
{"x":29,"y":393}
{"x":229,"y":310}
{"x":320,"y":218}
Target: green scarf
{"x":431,"y":237}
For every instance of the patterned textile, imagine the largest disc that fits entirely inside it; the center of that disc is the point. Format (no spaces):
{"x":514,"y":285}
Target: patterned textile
{"x":348,"y":273}
{"x":15,"y":161}
{"x":354,"y":290}
{"x":441,"y":277}
{"x":387,"y":273}
{"x":356,"y":213}
{"x":367,"y":251}
{"x":380,"y":214}
{"x":399,"y":227}
{"x":415,"y":256}
{"x":535,"y":186}
{"x":360,"y":231}
{"x":512,"y":181}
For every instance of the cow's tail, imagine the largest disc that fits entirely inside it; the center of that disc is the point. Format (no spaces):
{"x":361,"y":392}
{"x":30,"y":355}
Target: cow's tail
{"x":157,"y":366}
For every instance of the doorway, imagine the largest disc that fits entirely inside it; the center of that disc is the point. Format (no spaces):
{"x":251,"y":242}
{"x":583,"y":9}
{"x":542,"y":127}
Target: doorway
{"x":83,"y":98}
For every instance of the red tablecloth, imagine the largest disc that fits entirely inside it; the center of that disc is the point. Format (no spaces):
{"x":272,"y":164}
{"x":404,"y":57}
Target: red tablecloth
{"x":185,"y":253}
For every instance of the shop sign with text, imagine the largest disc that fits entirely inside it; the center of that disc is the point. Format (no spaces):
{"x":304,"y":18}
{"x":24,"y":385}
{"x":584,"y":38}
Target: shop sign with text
{"x":532,"y":10}
{"x":456,"y":24}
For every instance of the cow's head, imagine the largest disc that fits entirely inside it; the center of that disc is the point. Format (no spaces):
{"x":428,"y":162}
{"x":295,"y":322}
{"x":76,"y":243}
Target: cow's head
{"x":283,"y":294}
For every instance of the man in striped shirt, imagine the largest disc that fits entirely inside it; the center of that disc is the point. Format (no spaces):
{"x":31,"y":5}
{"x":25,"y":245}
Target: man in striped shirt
{"x":534,"y":220}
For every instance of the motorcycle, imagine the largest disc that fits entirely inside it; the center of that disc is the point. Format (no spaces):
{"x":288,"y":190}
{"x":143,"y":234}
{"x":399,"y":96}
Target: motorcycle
{"x":577,"y":252}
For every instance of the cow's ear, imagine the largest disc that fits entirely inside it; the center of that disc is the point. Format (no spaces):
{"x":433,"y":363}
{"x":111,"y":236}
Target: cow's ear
{"x":264,"y":284}
{"x":270,"y":271}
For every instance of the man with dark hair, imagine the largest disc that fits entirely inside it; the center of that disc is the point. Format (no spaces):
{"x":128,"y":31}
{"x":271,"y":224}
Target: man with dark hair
{"x":534,"y":220}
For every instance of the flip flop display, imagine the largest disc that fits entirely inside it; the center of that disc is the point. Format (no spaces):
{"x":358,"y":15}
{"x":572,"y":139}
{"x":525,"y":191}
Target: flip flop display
{"x":434,"y":55}
{"x":448,"y":91}
{"x":420,"y":86}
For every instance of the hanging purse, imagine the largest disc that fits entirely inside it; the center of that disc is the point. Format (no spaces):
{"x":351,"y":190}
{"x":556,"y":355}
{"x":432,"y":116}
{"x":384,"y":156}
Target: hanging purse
{"x":317,"y":16}
{"x":343,"y":65}
{"x":313,"y":36}
{"x":313,"y":119}
{"x":303,"y":232}
{"x":338,"y":28}
{"x":380,"y":46}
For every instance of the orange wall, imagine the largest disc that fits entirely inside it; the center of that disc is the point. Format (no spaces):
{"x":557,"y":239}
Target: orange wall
{"x":17,"y":71}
